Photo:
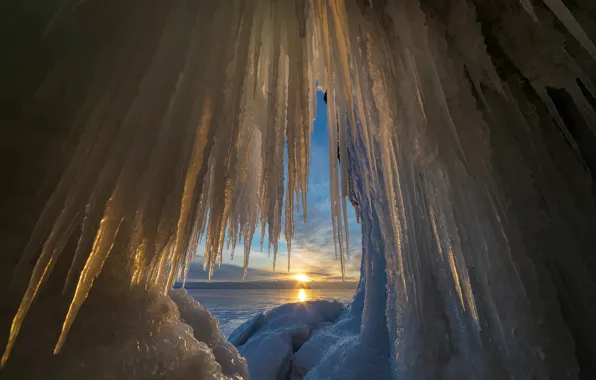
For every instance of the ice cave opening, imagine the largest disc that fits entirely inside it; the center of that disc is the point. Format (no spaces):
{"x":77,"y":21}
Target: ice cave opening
{"x":132,"y":128}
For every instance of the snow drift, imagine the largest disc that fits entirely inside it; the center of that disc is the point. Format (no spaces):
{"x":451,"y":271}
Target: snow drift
{"x":269,"y":340}
{"x":311,"y":340}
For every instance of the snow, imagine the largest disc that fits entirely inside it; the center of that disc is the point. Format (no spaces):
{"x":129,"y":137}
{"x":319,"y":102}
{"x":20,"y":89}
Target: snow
{"x":148,"y":335}
{"x":338,"y":351}
{"x":312,"y":340}
{"x":269,"y":340}
{"x":206,"y":329}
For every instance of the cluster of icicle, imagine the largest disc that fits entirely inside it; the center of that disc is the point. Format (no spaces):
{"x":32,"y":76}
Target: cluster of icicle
{"x":196,"y":107}
{"x":185,"y":130}
{"x":473,"y":179}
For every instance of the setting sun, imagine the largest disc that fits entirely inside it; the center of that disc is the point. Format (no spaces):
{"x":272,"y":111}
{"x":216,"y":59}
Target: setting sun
{"x":301,"y":277}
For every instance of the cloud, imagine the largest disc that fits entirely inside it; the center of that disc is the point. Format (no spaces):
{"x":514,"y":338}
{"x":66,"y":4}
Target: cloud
{"x":227,"y":272}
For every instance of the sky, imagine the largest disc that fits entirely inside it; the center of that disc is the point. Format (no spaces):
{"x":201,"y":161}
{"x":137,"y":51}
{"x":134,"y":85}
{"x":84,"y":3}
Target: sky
{"x":312,"y":251}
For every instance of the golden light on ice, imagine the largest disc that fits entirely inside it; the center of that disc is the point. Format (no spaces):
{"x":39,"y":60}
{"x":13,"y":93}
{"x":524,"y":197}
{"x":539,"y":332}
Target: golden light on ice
{"x":301,"y":277}
{"x":302,"y":296}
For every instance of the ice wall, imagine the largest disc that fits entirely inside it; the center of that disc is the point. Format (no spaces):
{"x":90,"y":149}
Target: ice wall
{"x":157,"y":124}
{"x":477,"y":168}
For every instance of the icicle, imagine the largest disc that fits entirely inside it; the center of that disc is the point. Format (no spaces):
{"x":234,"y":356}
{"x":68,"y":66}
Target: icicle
{"x":192,"y":104}
{"x":527,"y":4}
{"x":41,"y":271}
{"x":566,"y":17}
{"x":102,"y":247}
{"x":189,"y":185}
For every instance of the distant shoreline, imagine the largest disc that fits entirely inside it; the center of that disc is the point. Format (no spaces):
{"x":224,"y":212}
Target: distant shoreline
{"x":268,"y":285}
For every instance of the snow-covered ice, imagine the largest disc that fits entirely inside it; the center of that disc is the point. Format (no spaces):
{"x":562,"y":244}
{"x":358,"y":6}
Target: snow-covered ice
{"x":311,"y":340}
{"x":206,"y":329}
{"x":269,"y":340}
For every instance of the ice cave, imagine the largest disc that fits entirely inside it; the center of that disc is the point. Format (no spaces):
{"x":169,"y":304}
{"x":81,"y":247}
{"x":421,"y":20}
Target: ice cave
{"x":466,"y":132}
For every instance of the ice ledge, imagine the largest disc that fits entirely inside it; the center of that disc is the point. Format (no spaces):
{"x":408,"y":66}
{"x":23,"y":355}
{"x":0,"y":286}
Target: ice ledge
{"x":270,"y":339}
{"x":311,"y":340}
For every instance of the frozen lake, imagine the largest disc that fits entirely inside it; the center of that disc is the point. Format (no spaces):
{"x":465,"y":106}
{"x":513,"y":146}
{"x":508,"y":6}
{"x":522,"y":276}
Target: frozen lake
{"x":234,"y":306}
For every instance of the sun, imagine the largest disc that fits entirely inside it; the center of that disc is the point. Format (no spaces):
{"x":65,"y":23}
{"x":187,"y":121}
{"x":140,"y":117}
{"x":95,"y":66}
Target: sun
{"x":301,"y":277}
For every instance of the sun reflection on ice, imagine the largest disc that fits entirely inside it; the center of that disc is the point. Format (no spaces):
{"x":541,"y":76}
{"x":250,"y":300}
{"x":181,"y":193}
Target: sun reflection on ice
{"x":302,"y":296}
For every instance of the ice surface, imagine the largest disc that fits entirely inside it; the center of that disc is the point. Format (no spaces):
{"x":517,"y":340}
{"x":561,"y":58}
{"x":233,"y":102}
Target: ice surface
{"x":318,"y":340}
{"x":269,"y":340}
{"x":147,"y":335}
{"x":343,"y":350}
{"x":206,"y":329}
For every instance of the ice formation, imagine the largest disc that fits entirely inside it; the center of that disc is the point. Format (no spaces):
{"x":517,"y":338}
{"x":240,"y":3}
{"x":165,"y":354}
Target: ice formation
{"x":269,"y":340}
{"x":206,"y":329}
{"x":465,"y":128}
{"x":145,"y":335}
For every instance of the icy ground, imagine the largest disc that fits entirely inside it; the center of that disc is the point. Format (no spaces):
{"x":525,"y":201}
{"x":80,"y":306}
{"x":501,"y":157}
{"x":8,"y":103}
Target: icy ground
{"x":218,"y":352}
{"x":233,"y":307}
{"x":307,"y":340}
